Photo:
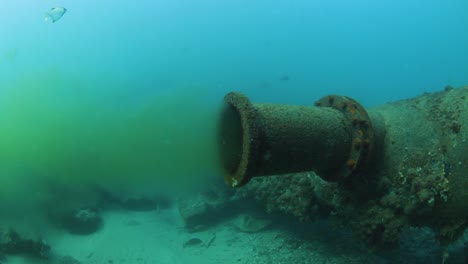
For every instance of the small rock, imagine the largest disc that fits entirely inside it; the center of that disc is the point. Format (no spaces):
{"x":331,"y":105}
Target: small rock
{"x":192,"y":242}
{"x":12,"y":243}
{"x":206,"y":208}
{"x":83,"y":222}
{"x":250,"y":224}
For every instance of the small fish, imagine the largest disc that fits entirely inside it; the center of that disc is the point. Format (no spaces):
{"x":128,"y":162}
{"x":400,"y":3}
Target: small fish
{"x":55,"y":14}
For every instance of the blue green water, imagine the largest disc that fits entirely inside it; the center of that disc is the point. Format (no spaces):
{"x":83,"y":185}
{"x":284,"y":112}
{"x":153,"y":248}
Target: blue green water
{"x":131,"y":89}
{"x":376,"y":51}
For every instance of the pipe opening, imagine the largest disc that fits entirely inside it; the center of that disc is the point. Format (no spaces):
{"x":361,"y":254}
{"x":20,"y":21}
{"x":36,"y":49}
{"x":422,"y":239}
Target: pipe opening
{"x":231,"y":139}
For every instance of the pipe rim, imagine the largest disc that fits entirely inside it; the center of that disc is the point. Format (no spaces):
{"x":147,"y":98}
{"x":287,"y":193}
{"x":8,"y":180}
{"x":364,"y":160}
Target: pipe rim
{"x":249,"y":135}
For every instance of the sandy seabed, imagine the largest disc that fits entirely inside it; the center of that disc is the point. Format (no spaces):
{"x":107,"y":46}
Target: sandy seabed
{"x":159,"y":237}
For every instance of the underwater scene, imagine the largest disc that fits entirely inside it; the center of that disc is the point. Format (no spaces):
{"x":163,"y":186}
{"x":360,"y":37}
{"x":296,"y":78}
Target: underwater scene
{"x":234,"y":131}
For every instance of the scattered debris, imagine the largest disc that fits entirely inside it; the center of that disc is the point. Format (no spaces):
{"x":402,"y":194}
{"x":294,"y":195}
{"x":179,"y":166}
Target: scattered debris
{"x":212,"y":239}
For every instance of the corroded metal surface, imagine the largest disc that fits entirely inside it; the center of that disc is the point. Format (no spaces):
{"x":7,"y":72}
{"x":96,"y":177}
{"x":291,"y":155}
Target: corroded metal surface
{"x":268,"y":139}
{"x":362,"y":134}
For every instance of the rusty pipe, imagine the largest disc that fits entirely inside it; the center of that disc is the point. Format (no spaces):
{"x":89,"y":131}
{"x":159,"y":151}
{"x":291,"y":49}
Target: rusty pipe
{"x":333,"y":138}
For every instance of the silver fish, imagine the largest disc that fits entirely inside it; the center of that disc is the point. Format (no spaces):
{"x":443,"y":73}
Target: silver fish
{"x":55,"y":14}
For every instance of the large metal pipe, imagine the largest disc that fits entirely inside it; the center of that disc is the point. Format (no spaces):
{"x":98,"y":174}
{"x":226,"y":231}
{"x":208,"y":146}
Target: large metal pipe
{"x":333,"y":138}
{"x":403,"y":163}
